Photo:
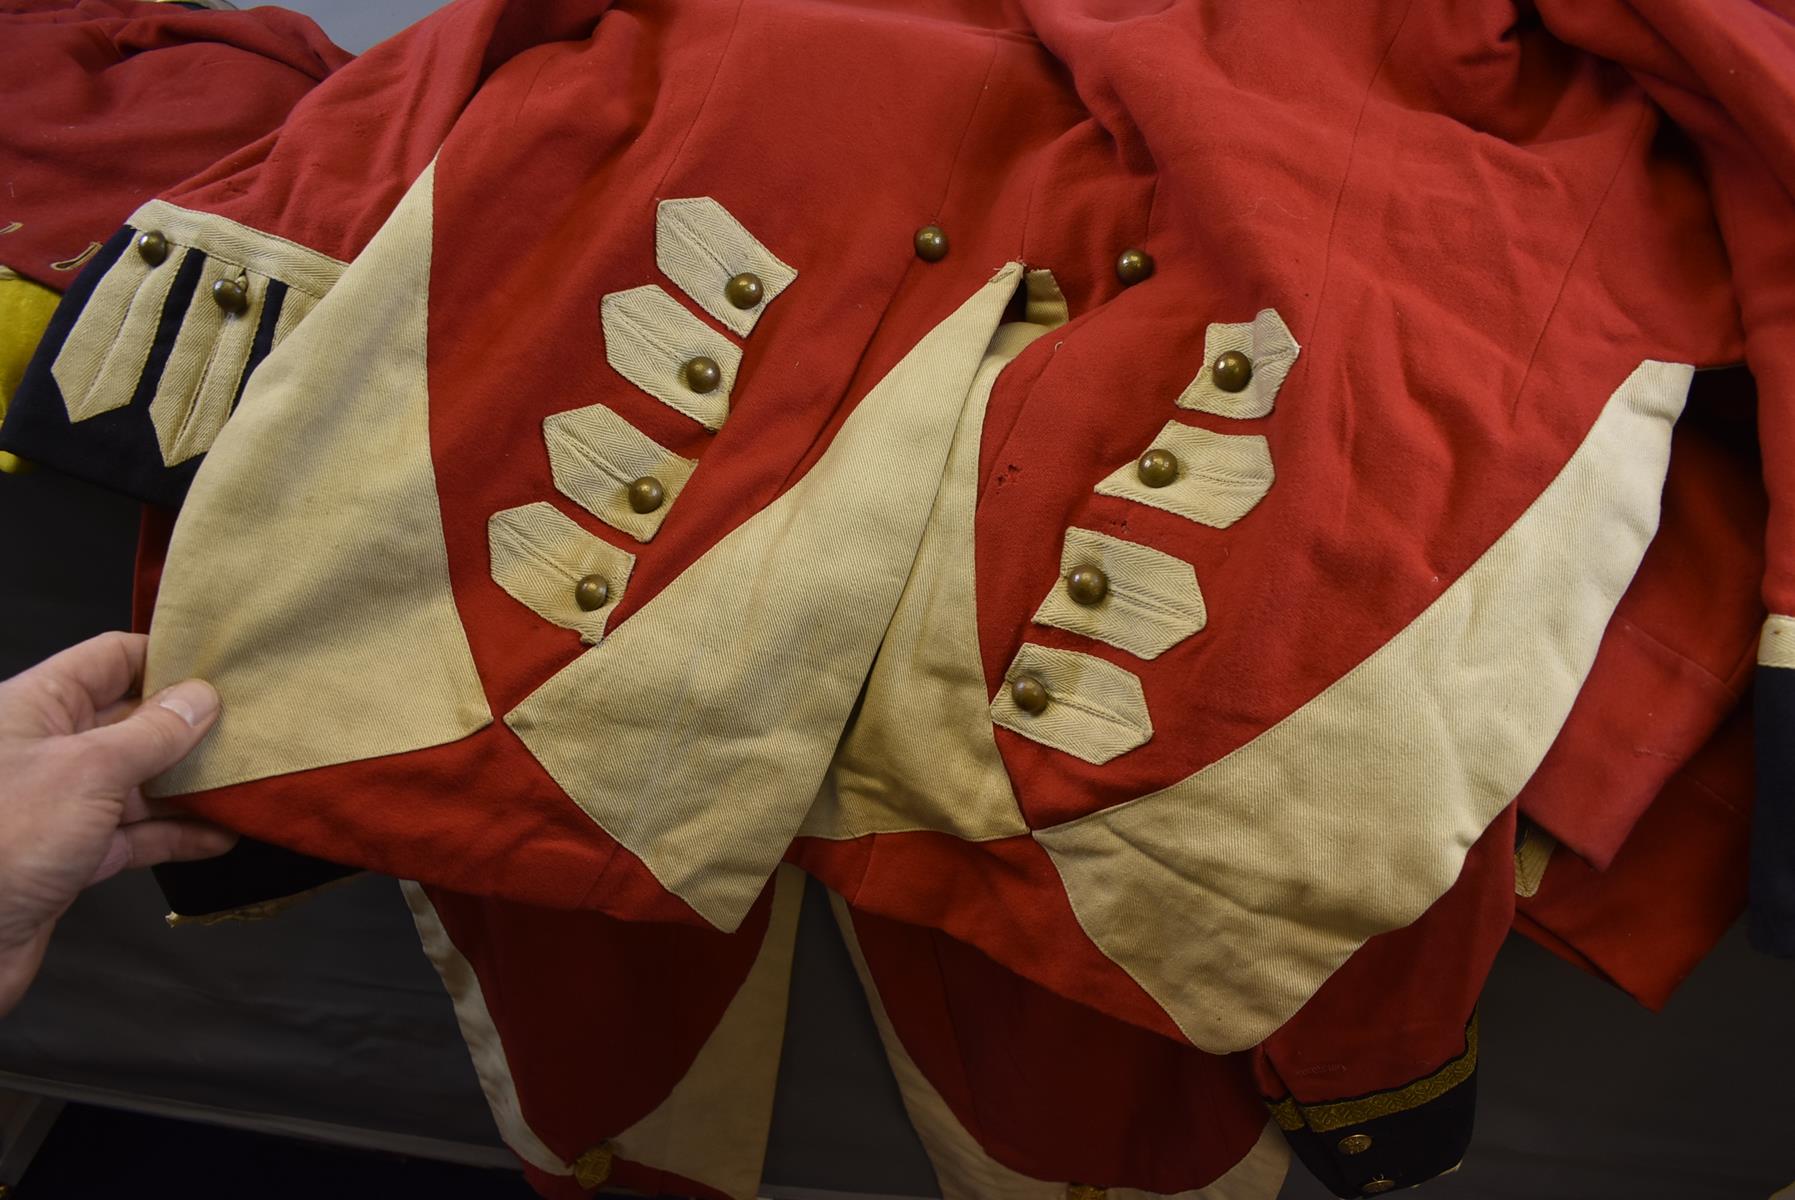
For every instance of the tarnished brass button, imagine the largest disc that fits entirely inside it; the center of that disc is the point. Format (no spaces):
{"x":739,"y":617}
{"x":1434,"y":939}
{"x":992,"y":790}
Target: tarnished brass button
{"x":1232,"y":371}
{"x":1132,"y":266}
{"x":1087,"y":585}
{"x":744,"y":290}
{"x":931,"y":243}
{"x":1157,"y":467}
{"x":1378,"y":1186}
{"x":592,"y":1170}
{"x":1355,"y":1143}
{"x":232,"y":295}
{"x":1084,"y":1191}
{"x":1029,"y":693}
{"x":153,"y":247}
{"x":703,"y":375}
{"x":592,"y":592}
{"x":646,"y":494}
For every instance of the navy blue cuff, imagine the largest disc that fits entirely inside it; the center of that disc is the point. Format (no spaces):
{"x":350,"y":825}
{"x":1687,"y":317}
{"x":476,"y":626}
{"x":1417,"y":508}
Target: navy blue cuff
{"x":116,"y":449}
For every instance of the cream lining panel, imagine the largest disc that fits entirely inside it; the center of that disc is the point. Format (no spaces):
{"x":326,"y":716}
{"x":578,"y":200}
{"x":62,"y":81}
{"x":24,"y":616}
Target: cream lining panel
{"x":1045,"y":304}
{"x":312,"y":538}
{"x":1776,"y":648}
{"x":893,"y":772}
{"x":761,"y":646}
{"x":1268,"y":345}
{"x":1220,"y":476}
{"x":1233,"y":894}
{"x":539,"y":555}
{"x":1097,"y":711}
{"x":595,"y":455}
{"x":199,"y":382}
{"x":1153,"y":601}
{"x":480,"y":1034}
{"x":712,"y":1128}
{"x":700,"y":247}
{"x":299,"y":267}
{"x":649,"y":338}
{"x":99,"y":366}
{"x":1532,"y":857}
{"x":966,"y":1172}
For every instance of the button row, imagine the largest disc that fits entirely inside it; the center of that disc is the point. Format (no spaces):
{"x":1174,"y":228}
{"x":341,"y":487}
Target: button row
{"x":231,"y":295}
{"x":1132,"y":266}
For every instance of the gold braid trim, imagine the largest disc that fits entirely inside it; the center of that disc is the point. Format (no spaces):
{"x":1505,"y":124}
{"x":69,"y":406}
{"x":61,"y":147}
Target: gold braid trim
{"x":1323,"y":1118}
{"x":593,"y":1168}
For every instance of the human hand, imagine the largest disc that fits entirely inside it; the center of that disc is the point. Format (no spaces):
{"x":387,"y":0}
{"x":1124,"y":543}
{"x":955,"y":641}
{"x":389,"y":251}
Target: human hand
{"x":74,"y":745}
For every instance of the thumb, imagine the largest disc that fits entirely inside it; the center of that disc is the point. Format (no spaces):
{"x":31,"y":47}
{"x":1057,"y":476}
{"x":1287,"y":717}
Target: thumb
{"x":157,"y":736}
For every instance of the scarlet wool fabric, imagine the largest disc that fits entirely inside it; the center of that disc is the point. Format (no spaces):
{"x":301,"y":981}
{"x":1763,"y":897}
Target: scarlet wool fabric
{"x":110,"y":102}
{"x":1492,"y":533}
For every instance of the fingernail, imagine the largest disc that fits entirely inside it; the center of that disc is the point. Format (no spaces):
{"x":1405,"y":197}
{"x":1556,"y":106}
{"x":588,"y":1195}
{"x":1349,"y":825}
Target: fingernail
{"x":193,"y":701}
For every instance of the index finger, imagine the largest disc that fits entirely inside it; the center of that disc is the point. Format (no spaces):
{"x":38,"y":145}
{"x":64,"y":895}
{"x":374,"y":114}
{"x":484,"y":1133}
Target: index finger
{"x":104,"y":668}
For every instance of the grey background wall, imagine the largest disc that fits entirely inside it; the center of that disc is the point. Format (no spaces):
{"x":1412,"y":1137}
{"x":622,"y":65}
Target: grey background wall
{"x":330,"y":1014}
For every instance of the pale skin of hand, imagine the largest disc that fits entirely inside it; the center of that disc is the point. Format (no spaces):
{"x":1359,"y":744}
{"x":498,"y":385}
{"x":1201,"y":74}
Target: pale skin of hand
{"x":75,"y":744}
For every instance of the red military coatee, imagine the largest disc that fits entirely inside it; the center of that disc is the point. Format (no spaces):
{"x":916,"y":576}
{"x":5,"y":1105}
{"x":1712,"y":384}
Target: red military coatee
{"x":1135,"y":490}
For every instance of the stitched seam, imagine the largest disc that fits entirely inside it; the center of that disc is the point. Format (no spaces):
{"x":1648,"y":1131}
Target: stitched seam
{"x":588,"y":455}
{"x":678,"y":225}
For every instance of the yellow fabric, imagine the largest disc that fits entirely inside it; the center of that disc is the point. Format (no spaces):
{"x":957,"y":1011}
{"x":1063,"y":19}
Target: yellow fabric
{"x":1231,"y":895}
{"x":808,"y":585}
{"x":25,"y":309}
{"x":317,"y":515}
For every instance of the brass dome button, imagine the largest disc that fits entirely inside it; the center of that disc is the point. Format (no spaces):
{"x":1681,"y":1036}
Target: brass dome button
{"x":1029,"y":693}
{"x":1355,"y":1143}
{"x":744,"y":290}
{"x":1132,"y":266}
{"x":703,"y":375}
{"x":592,"y":1170}
{"x":1232,"y":371}
{"x":646,"y":494}
{"x":1087,"y":585}
{"x":1157,"y":468}
{"x":931,"y":243}
{"x":592,"y":592}
{"x":232,"y":295}
{"x":1378,"y":1186}
{"x":153,"y":247}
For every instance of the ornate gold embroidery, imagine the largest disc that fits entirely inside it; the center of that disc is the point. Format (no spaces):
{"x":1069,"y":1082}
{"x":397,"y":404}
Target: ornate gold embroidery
{"x":593,"y":1168}
{"x":1323,"y":1118}
{"x":79,"y":261}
